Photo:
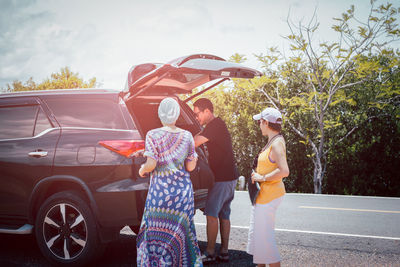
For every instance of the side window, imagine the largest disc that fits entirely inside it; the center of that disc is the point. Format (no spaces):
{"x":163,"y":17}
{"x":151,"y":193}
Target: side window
{"x":42,"y":123}
{"x":87,"y":113}
{"x":17,"y":122}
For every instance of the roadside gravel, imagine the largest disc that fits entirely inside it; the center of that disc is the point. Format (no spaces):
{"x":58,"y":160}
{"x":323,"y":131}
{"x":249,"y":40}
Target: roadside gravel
{"x":307,"y":253}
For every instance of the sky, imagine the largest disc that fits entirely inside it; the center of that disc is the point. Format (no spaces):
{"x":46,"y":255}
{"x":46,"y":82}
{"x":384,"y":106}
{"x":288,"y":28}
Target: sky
{"x":103,"y":39}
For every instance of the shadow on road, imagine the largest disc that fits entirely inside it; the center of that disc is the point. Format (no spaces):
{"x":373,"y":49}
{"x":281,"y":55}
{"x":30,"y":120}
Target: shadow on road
{"x":22,"y":250}
{"x":123,"y":253}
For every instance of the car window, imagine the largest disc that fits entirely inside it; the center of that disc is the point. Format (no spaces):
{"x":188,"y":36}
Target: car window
{"x":42,"y":123}
{"x":127,"y":116}
{"x":17,"y":122}
{"x":183,"y":119}
{"x":87,"y":113}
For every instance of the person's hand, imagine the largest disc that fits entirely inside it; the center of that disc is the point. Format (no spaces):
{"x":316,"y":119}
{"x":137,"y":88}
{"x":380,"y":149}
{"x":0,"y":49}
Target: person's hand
{"x":142,"y":173}
{"x":138,"y":153}
{"x":255,"y":177}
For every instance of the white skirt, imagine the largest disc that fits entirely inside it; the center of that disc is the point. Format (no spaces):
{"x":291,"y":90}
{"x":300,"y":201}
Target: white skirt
{"x":261,"y":239}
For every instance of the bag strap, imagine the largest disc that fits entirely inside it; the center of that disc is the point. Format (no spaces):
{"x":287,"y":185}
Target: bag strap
{"x":270,"y":142}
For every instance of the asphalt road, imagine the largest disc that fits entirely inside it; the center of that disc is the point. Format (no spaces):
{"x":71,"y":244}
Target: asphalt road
{"x":348,"y":215}
{"x":324,"y":230}
{"x":311,"y":230}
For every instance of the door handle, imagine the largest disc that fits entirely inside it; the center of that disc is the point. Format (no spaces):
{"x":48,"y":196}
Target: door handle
{"x":38,"y":154}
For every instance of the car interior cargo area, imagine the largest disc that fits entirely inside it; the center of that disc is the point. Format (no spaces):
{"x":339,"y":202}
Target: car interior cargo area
{"x":145,"y":111}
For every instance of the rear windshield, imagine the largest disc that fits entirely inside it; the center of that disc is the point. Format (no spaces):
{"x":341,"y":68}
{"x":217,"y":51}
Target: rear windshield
{"x":88,"y":113}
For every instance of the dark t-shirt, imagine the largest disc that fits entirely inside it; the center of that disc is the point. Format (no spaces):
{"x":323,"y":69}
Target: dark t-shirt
{"x":221,"y":159}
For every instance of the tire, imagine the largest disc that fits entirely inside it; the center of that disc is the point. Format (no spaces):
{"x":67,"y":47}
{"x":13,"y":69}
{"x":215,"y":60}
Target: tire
{"x":66,"y":230}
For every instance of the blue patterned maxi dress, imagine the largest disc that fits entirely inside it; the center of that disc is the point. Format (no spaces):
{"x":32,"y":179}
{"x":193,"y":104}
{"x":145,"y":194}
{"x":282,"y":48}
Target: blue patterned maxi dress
{"x":167,"y":236}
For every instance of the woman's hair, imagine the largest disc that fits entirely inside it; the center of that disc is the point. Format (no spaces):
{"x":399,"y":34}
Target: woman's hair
{"x":275,"y":126}
{"x":168,"y":110}
{"x":204,"y":103}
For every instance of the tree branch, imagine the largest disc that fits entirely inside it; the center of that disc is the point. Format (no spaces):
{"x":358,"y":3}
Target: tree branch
{"x":352,"y":84}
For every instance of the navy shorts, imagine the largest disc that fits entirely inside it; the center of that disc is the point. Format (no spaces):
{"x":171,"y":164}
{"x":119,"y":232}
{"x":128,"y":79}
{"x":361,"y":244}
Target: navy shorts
{"x":219,"y":199}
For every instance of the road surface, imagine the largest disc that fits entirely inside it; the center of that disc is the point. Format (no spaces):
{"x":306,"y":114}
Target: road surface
{"x":324,"y":230}
{"x":311,"y":230}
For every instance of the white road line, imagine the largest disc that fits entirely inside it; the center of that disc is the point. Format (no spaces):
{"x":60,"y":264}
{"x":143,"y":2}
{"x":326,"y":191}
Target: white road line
{"x":339,"y":234}
{"x":326,"y":195}
{"x":318,"y":233}
{"x":347,"y":209}
{"x":343,"y":196}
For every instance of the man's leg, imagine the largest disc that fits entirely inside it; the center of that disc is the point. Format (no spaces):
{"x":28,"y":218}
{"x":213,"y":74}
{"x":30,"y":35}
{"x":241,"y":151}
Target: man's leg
{"x":225,"y":228}
{"x":225,"y":223}
{"x":212,"y":232}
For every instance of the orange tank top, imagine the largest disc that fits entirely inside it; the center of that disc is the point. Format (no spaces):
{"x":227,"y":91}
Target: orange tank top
{"x":269,"y":190}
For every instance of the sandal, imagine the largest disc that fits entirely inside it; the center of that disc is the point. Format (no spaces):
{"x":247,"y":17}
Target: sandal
{"x":223,"y":257}
{"x":208,"y":258}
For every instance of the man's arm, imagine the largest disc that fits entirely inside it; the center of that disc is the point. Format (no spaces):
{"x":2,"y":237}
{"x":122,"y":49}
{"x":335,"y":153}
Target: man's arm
{"x":199,"y":140}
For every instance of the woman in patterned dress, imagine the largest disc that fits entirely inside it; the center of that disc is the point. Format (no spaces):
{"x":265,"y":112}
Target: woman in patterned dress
{"x":167,"y":235}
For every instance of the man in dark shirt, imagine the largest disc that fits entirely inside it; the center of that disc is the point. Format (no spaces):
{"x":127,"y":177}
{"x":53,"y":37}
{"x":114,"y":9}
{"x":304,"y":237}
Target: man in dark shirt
{"x":222,"y":163}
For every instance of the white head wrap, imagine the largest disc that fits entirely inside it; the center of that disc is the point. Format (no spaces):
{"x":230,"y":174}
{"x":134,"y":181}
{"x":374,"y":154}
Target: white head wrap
{"x":168,"y":111}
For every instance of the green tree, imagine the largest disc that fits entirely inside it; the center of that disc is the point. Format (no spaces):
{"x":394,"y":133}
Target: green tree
{"x":315,"y":80}
{"x":65,"y":79}
{"x":363,"y":163}
{"x":16,"y":86}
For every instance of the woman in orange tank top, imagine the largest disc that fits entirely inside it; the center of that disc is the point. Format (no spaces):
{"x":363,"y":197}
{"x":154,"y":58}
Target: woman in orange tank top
{"x":271,"y":168}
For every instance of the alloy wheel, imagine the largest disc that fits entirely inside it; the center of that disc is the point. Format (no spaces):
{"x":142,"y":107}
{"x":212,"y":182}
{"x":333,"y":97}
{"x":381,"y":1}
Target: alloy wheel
{"x":65,"y":231}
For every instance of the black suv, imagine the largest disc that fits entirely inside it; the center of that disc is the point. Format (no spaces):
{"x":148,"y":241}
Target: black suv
{"x":66,"y":166}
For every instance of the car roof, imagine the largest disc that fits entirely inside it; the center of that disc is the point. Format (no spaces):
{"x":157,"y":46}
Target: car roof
{"x":54,"y":92}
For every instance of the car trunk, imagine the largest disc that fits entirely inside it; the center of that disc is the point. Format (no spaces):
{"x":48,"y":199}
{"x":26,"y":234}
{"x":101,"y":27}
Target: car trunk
{"x":145,"y":112}
{"x":147,"y":84}
{"x":182,"y":75}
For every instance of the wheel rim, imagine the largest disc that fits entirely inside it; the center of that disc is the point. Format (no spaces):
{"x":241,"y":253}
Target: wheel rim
{"x":65,"y":231}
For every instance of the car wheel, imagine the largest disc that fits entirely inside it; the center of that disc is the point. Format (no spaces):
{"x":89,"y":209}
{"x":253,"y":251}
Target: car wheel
{"x":66,"y":230}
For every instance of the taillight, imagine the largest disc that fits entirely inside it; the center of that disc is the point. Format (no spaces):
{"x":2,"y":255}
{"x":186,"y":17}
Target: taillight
{"x":124,"y":147}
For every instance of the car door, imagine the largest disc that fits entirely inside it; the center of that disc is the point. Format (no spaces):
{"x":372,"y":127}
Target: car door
{"x":182,"y":75}
{"x":27,"y":143}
